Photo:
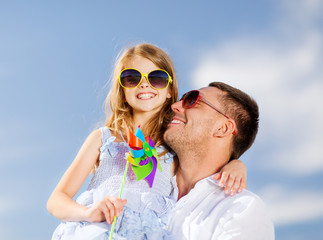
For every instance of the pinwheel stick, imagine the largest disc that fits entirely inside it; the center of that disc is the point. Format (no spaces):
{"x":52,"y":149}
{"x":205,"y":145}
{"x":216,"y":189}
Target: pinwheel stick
{"x":120,"y":194}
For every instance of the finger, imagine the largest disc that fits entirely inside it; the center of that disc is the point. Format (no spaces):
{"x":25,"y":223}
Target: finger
{"x":111,"y":209}
{"x":243,"y":185}
{"x":119,"y":204}
{"x":216,"y":176}
{"x":235,"y":186}
{"x":223,"y":179}
{"x":105,"y":211}
{"x":229,"y":184}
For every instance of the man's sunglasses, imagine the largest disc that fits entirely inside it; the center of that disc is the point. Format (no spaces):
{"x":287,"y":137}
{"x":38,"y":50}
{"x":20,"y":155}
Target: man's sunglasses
{"x":190,"y":99}
{"x":157,"y":79}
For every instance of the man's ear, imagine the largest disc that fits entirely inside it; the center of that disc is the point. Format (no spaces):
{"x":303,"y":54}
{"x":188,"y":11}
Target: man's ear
{"x":227,"y":127}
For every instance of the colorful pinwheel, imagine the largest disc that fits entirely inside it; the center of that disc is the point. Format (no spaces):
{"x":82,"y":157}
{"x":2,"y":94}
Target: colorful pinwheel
{"x":142,"y":156}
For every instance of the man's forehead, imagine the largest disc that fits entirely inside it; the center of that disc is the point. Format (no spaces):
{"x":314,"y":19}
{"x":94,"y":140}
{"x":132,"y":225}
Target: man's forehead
{"x":211,"y":93}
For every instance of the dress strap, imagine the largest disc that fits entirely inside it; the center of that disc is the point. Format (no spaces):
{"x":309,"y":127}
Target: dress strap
{"x":105,"y":134}
{"x":107,"y":142}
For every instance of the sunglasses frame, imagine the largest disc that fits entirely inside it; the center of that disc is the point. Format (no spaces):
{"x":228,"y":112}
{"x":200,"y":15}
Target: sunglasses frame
{"x":200,"y":98}
{"x":170,"y":80}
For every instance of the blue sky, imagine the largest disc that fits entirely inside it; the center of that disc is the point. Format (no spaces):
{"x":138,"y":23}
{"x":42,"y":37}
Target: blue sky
{"x":56,"y":57}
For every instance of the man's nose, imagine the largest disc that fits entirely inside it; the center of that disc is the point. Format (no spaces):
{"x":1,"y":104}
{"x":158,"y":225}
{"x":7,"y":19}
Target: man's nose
{"x":177,"y":106}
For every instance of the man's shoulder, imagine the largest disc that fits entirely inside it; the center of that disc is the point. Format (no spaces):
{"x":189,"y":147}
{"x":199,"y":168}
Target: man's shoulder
{"x":208,"y":195}
{"x":246,"y":203}
{"x":206,"y":209}
{"x":245,"y":210}
{"x":246,"y":197}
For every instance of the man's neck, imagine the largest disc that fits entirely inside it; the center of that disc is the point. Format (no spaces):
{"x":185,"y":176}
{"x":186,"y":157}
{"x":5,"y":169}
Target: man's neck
{"x":184,"y":183}
{"x":188,"y":174}
{"x":192,"y":169}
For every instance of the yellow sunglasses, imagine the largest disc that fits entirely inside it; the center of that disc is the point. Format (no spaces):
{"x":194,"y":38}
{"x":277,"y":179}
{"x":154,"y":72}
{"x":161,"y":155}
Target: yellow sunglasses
{"x":158,"y":79}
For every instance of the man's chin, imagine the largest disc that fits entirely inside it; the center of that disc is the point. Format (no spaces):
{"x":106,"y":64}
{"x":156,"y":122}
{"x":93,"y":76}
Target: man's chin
{"x":168,"y":135}
{"x":171,"y":128}
{"x":165,"y":136}
{"x":172,"y":136}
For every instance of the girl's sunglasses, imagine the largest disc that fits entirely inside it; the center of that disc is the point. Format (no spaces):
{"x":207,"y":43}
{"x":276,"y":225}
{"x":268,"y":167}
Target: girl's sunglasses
{"x":157,"y":79}
{"x":190,"y":99}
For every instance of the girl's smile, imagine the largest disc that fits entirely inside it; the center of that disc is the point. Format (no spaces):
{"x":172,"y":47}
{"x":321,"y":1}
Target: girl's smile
{"x":146,"y":95}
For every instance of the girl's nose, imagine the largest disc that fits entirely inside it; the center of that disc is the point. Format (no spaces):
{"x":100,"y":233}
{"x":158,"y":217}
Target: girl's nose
{"x":144,"y":83}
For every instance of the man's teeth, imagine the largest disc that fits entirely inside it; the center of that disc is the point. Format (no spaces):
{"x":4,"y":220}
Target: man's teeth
{"x":177,"y":121}
{"x":146,"y":96}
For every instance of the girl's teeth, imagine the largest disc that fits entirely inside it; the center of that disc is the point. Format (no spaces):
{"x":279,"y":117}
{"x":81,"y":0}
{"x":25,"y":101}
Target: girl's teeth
{"x":145,"y":96}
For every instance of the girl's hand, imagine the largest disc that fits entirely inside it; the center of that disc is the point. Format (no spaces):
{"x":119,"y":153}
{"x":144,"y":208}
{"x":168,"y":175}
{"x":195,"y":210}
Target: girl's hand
{"x":233,"y":176}
{"x":105,"y":209}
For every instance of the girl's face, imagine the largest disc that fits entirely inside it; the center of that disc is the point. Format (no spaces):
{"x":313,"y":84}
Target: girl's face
{"x":143,"y":98}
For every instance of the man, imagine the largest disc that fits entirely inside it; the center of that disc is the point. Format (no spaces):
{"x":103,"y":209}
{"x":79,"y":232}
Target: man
{"x":211,"y":127}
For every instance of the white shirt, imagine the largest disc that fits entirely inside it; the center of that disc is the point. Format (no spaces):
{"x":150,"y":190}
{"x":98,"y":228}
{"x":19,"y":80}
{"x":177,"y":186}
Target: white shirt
{"x":207,"y":213}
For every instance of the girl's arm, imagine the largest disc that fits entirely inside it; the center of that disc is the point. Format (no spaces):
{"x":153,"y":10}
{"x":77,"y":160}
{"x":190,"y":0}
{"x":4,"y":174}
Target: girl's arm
{"x":61,"y":204}
{"x":233,"y":176}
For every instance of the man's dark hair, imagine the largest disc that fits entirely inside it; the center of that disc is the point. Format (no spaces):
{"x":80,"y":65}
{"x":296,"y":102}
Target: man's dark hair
{"x":244,"y":111}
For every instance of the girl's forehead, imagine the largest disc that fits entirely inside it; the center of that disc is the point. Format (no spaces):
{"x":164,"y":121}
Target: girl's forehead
{"x":141,"y":63}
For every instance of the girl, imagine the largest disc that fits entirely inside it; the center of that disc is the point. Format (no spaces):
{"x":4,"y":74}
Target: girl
{"x":144,"y":88}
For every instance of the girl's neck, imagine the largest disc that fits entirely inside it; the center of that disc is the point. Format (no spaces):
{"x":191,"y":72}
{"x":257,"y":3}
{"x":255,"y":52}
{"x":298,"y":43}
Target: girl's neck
{"x":141,"y":118}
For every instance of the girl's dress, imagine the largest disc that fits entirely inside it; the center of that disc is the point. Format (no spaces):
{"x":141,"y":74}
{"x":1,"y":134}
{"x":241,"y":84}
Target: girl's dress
{"x":145,"y":214}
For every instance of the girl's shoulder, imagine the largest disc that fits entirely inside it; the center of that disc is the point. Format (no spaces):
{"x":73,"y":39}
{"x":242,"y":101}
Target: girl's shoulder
{"x":94,"y":138}
{"x":99,"y":137}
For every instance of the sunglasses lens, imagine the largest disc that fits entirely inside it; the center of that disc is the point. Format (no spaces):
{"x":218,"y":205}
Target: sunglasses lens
{"x":130,"y":78}
{"x":158,"y":79}
{"x":190,"y":98}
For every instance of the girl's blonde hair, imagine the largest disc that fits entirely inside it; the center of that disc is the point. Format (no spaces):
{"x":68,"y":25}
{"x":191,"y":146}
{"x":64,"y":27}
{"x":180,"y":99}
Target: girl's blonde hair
{"x":120,"y":109}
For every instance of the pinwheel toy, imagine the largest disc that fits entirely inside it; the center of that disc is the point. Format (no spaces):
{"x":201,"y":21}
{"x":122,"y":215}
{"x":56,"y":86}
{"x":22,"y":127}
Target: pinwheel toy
{"x":143,"y":158}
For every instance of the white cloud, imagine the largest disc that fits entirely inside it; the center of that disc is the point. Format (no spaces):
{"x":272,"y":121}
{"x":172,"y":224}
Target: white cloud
{"x":282,"y":71}
{"x":287,"y":207}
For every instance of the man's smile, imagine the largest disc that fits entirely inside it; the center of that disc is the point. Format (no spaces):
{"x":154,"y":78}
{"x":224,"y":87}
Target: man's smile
{"x":177,"y":121}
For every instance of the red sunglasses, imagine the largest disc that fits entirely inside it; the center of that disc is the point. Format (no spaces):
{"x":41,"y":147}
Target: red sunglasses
{"x":190,"y":99}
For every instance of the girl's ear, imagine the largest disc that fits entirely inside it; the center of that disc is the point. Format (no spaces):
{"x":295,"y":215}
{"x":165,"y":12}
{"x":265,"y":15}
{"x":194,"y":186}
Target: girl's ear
{"x":169,"y":94}
{"x":226,"y":128}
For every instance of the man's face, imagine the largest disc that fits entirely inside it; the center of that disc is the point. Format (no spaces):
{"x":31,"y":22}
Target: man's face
{"x":192,"y":127}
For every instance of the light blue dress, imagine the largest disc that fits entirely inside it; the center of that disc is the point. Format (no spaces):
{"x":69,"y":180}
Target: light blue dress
{"x":146,"y":213}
